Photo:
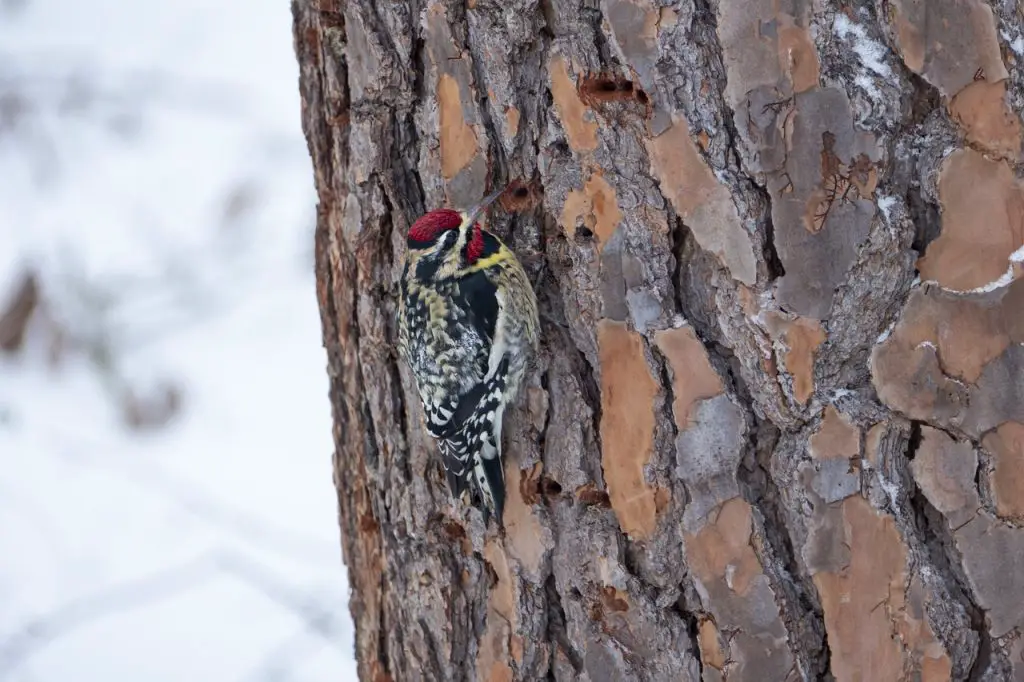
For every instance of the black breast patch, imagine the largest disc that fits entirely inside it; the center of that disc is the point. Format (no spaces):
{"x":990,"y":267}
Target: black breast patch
{"x":477,"y":296}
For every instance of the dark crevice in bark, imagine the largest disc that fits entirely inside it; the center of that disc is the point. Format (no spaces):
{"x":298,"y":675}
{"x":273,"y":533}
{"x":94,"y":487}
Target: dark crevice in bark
{"x":771,"y":254}
{"x":804,"y":618}
{"x":925,"y":217}
{"x":924,"y":99}
{"x":589,"y":388}
{"x":556,"y":630}
{"x":398,"y":405}
{"x":497,"y":160}
{"x":591,"y":392}
{"x":372,"y":452}
{"x":391,"y":366}
{"x":983,"y":659}
{"x":705,"y":14}
{"x":679,"y":233}
{"x":433,"y":646}
{"x":550,"y":16}
{"x":673,"y":514}
{"x":542,"y":437}
{"x":406,"y":191}
{"x":944,"y":555}
{"x":379,"y":27}
{"x":914,"y":442}
{"x":377,"y":503}
{"x":550,"y":299}
{"x":667,"y":417}
{"x":937,"y":538}
{"x":419,"y":59}
{"x":403,"y":192}
{"x":693,"y":630}
{"x":604,"y":50}
{"x":807,"y":621}
{"x":693,"y":266}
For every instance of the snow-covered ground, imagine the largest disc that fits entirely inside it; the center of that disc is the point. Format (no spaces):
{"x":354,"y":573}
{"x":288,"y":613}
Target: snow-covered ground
{"x":153,"y":172}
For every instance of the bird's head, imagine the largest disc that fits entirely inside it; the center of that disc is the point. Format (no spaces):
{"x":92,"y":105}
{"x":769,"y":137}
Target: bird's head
{"x":448,"y":239}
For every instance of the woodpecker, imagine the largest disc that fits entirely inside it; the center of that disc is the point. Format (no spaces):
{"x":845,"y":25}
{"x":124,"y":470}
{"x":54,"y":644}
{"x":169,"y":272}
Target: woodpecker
{"x":467,"y":326}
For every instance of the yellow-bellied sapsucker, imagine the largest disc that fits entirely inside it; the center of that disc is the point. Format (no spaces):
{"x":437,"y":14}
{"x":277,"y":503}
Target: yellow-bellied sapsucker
{"x":467,"y":326}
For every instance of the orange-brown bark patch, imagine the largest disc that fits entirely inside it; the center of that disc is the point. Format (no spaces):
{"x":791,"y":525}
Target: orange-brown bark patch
{"x":802,"y":336}
{"x":864,"y":603}
{"x":803,"y":339}
{"x":942,"y":469}
{"x":693,"y":377}
{"x":950,"y":42}
{"x":1006,"y":444}
{"x":597,"y":206}
{"x":523,"y":532}
{"x":501,"y":599}
{"x":941,"y":335}
{"x":628,"y":392}
{"x":908,"y":378}
{"x":969,"y":337}
{"x":710,"y":645}
{"x":662,"y":498}
{"x":499,"y":672}
{"x":981,"y":109}
{"x":492,"y":657}
{"x":797,"y":55}
{"x":982,"y":223}
{"x":836,"y":438}
{"x":703,"y":202}
{"x":512,"y":119}
{"x":925,"y":651}
{"x":911,"y":41}
{"x":873,"y":443}
{"x":458,"y":140}
{"x":722,"y":549}
{"x":582,"y":133}
{"x":589,"y":494}
{"x":613,"y":599}
{"x":518,"y":647}
{"x":736,"y":592}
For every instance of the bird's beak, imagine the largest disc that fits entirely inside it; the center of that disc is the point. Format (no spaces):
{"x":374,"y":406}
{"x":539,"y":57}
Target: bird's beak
{"x":477,"y":210}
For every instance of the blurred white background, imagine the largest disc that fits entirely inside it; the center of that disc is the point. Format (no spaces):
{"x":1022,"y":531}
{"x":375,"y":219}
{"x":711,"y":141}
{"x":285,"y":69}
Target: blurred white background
{"x":166,"y":505}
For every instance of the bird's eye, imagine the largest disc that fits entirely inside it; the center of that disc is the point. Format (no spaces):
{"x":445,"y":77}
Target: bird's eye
{"x":448,"y":239}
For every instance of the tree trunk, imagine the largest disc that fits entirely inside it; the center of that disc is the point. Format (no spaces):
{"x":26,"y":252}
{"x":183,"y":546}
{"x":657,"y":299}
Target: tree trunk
{"x":776,"y":427}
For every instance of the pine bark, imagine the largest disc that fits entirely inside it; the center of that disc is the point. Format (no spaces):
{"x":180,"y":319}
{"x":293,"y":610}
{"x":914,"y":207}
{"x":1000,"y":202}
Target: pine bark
{"x":776,"y":427}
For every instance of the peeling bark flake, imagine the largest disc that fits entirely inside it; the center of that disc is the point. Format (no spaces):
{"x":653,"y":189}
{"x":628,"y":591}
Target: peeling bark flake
{"x":628,"y":392}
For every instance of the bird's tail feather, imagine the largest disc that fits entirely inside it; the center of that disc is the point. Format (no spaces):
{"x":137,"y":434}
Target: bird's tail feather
{"x":455,"y":459}
{"x":482,"y":476}
{"x":472,"y":452}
